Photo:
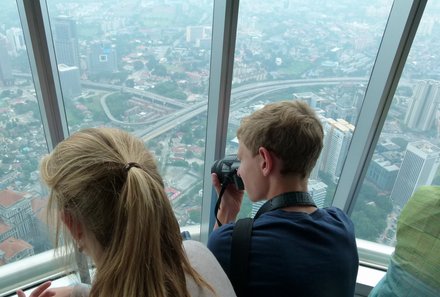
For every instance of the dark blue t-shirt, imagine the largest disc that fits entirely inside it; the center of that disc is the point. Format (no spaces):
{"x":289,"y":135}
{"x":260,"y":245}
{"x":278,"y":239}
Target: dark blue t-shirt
{"x":296,"y":254}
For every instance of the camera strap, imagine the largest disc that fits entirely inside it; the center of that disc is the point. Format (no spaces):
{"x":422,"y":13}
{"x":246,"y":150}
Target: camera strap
{"x":286,"y":200}
{"x":217,"y":204}
{"x":242,"y":233}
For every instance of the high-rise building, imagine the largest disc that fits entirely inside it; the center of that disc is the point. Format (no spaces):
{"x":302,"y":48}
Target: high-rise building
{"x":196,"y":34}
{"x":337,"y":137}
{"x":382,"y":173}
{"x":16,"y":40}
{"x":255,"y":207}
{"x":421,"y":113}
{"x":419,"y":166}
{"x":66,"y":41}
{"x":70,"y":80}
{"x":102,"y":57}
{"x":318,"y":191}
{"x":6,"y":77}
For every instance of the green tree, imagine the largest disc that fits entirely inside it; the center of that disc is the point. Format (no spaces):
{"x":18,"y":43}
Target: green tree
{"x":129,"y":83}
{"x":118,"y":104}
{"x":195,"y":215}
{"x":160,"y":70}
{"x":196,"y":167}
{"x":138,"y":65}
{"x":370,"y":213}
{"x":189,"y":154}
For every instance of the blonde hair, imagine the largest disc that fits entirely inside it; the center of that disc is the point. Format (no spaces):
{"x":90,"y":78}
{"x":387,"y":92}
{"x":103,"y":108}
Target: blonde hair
{"x":290,"y":130}
{"x":126,"y":210}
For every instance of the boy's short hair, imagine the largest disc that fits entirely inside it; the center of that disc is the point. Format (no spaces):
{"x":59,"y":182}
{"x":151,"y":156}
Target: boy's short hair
{"x":289,"y":129}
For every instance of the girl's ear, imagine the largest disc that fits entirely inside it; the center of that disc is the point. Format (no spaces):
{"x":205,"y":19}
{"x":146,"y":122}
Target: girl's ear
{"x":72,"y":224}
{"x":266,"y":164}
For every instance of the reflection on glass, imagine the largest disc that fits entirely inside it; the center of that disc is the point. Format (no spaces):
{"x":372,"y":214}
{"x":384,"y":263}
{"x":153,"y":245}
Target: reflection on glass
{"x":407,"y":155}
{"x":142,"y":66}
{"x":22,"y":143}
{"x":318,"y":51}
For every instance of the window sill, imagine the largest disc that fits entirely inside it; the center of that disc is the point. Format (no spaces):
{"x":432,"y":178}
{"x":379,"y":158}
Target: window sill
{"x":34,"y":270}
{"x":367,"y":278}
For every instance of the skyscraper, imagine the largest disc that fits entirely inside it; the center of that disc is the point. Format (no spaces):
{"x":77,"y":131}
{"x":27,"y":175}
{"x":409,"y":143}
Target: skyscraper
{"x":337,"y":137}
{"x":197,"y":34}
{"x":16,"y":40}
{"x":66,"y":41}
{"x":102,"y":57}
{"x":318,"y":191}
{"x":70,"y":80}
{"x":419,"y":166}
{"x":421,"y":112}
{"x":6,"y":77}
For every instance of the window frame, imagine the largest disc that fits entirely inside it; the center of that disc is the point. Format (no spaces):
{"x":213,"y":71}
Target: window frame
{"x":403,"y":21}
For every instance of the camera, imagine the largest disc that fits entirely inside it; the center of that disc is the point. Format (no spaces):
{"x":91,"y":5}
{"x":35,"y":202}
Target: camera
{"x":226,"y":170}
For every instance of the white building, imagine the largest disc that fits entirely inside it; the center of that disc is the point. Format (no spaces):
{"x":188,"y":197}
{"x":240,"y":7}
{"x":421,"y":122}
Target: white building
{"x":419,"y":167}
{"x":16,"y":41}
{"x":422,"y":110}
{"x":337,"y":137}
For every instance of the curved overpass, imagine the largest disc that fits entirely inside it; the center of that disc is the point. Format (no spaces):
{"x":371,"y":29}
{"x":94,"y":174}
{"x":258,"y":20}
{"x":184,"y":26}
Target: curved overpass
{"x":240,"y":96}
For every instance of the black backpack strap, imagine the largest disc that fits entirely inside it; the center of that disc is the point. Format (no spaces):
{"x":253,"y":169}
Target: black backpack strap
{"x":240,"y":246}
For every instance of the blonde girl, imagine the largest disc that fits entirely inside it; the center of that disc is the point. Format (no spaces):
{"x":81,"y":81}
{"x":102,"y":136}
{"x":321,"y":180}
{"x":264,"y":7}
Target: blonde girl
{"x":106,"y":191}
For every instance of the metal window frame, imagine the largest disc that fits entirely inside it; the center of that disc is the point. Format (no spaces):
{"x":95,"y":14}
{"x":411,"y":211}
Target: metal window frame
{"x":34,"y":16}
{"x":397,"y":39}
{"x":402,"y":24}
{"x":224,"y":31}
{"x":31,"y":271}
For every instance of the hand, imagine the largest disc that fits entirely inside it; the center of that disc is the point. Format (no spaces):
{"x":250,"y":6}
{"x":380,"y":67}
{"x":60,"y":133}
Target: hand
{"x":43,"y":291}
{"x":40,"y":291}
{"x":231,"y":201}
{"x":62,"y":291}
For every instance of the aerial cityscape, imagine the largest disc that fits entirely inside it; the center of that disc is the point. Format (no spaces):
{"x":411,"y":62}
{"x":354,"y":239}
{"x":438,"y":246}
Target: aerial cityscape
{"x":144,"y":66}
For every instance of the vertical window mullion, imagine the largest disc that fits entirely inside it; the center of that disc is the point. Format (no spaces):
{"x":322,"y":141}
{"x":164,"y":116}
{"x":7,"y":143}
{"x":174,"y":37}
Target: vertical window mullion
{"x":224,"y":30}
{"x":399,"y":34}
{"x":36,"y":31}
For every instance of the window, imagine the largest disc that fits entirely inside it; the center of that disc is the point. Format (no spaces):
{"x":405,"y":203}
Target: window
{"x":321,"y":52}
{"x":407,"y":154}
{"x":146,"y":67}
{"x":142,"y":66}
{"x":22,"y":143}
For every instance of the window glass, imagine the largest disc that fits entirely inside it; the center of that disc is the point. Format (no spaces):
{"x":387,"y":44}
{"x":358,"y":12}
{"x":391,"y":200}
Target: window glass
{"x":407,"y":154}
{"x":319,"y":51}
{"x":22,"y":143}
{"x":142,"y":66}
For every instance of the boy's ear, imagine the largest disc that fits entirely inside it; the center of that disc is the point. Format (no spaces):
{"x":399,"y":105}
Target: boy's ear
{"x":74,"y":226}
{"x":267,"y":161}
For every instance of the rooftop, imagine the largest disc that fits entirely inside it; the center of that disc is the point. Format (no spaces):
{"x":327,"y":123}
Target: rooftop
{"x":9,"y":198}
{"x":13,"y":246}
{"x":4,"y":228}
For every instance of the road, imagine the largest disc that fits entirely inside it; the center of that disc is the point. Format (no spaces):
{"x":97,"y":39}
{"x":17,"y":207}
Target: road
{"x":240,"y":97}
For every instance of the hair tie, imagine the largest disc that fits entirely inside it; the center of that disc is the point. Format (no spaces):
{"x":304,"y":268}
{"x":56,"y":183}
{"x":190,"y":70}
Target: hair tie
{"x":131,"y":164}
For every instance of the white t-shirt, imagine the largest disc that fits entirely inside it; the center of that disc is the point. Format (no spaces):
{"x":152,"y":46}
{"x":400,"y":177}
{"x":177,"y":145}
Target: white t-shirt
{"x":204,"y":262}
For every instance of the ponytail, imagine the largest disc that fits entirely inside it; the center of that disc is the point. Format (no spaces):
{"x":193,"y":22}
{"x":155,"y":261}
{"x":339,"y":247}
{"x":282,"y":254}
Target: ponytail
{"x":109,"y":181}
